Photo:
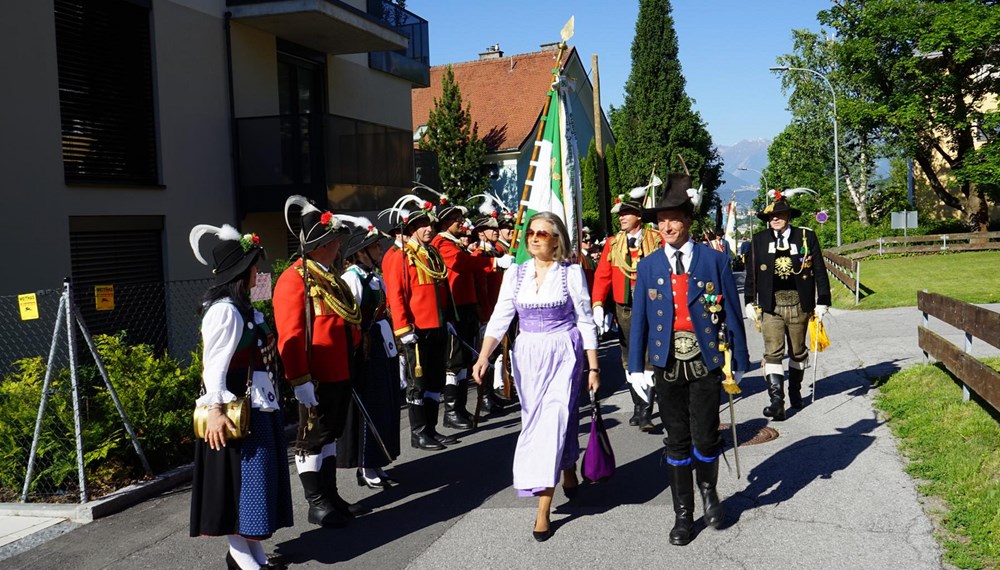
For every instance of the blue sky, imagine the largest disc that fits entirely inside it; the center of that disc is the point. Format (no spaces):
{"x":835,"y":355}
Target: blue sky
{"x":726,"y":47}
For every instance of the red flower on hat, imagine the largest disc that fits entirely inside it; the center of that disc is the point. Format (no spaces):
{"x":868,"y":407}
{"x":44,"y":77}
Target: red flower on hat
{"x":777,"y":195}
{"x":249,"y":241}
{"x":493,"y":214}
{"x":325,"y":218}
{"x":618,"y":199}
{"x":428,"y":205}
{"x":444,"y":200}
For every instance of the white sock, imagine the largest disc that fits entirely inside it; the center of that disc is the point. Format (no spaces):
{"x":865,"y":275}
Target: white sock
{"x":240,"y":551}
{"x":257,"y":550}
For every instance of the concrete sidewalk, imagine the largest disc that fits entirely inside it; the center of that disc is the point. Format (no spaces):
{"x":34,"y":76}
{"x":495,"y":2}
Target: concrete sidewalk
{"x":828,"y":492}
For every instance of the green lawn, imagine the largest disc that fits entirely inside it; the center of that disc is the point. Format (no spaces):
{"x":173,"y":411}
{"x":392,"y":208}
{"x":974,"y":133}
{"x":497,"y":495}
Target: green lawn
{"x":953,"y":449}
{"x":973,"y":277}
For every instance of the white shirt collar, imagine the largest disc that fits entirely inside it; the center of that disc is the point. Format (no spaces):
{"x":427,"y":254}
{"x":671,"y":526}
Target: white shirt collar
{"x":787,"y":233}
{"x":687,"y":249}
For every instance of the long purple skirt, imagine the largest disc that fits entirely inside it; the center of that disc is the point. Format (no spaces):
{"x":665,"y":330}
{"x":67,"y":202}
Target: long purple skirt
{"x":547,"y":372}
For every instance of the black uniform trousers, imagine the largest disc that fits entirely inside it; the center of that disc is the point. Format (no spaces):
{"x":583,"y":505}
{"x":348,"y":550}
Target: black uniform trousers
{"x":689,"y":408}
{"x":324,"y":423}
{"x":432,"y":345}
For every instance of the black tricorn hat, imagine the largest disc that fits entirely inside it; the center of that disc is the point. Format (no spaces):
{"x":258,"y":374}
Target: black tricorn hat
{"x":234,"y":253}
{"x":779,"y":203}
{"x":317,"y":228}
{"x":678,"y":195}
{"x":488,"y":222}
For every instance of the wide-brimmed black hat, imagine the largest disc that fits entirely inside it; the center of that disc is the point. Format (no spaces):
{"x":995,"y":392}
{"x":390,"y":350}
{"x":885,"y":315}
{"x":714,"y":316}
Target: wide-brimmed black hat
{"x":779,"y":204}
{"x":360,"y":239}
{"x":234,"y":253}
{"x":316,"y":227}
{"x":490,"y":222}
{"x":678,"y":195}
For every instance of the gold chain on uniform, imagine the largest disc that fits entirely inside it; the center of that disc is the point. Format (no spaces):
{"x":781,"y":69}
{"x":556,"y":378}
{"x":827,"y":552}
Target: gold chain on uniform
{"x":434,"y":266}
{"x":622,"y":259}
{"x":342,"y":302}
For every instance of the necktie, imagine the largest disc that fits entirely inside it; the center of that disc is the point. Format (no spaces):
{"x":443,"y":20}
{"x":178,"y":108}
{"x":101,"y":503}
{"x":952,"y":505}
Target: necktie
{"x":631,"y":242}
{"x":678,"y":266}
{"x":781,"y":240}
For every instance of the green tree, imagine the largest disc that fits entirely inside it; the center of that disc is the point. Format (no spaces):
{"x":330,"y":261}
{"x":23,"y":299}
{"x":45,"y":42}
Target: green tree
{"x":615,"y":186}
{"x":925,"y":72}
{"x":454,"y":138}
{"x":657,"y":122}
{"x":811,"y":106}
{"x":591,"y":189}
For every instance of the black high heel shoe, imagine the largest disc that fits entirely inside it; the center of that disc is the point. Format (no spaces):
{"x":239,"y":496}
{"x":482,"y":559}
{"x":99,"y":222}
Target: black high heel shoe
{"x":377,"y":483}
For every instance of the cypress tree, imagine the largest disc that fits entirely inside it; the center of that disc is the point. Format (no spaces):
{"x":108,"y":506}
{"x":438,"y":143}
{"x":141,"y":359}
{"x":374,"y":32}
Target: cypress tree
{"x":657,"y":121}
{"x":591,"y":203}
{"x":454,"y":138}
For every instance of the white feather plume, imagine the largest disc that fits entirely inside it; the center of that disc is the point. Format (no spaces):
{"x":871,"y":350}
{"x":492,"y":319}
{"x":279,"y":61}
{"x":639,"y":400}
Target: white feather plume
{"x":195,"y":236}
{"x":770,"y":194}
{"x":419,"y":186}
{"x":637,"y":192}
{"x":301,"y":202}
{"x":794,"y":191}
{"x":696,"y":196}
{"x":357,"y":221}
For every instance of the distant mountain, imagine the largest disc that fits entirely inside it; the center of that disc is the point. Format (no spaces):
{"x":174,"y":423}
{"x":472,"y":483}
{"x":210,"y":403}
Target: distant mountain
{"x":750,"y":154}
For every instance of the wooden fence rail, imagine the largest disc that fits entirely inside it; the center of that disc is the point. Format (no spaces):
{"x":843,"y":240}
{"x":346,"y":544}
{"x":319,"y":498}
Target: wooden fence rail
{"x":973,"y":241}
{"x":974,"y":322}
{"x":846,"y":270}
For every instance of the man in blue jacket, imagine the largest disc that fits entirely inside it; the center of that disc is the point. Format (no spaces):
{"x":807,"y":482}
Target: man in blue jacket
{"x":685,"y":305}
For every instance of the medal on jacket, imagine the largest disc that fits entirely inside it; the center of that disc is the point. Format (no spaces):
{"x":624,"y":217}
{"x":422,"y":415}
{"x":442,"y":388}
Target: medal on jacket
{"x":713,"y":303}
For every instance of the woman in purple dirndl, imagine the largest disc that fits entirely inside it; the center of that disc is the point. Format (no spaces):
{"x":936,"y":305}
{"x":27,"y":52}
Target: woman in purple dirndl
{"x":556,"y":327}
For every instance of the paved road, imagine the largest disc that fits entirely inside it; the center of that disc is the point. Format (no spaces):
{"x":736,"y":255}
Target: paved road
{"x":828,"y":492}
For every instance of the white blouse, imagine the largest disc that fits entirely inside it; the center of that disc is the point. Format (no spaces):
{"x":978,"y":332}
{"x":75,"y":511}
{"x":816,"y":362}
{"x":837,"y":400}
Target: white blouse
{"x":221,"y":330}
{"x":550,"y":292}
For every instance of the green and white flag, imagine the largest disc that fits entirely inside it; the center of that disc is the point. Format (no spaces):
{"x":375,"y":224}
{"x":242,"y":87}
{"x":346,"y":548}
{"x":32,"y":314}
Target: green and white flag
{"x":555,"y":184}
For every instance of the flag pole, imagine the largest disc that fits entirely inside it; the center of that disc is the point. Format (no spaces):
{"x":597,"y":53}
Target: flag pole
{"x":566,"y":33}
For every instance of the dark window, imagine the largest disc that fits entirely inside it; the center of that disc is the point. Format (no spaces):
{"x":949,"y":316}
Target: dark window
{"x":127,"y":253}
{"x":106,"y":91}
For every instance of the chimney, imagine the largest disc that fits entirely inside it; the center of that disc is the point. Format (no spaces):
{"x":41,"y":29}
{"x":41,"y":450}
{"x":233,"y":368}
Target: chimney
{"x":492,"y":52}
{"x":550,"y":46}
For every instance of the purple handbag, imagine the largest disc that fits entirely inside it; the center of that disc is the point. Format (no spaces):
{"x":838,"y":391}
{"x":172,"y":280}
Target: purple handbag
{"x":599,"y":458}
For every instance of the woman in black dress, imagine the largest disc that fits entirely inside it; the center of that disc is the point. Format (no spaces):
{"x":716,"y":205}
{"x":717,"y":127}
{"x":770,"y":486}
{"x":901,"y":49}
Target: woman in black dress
{"x":240,"y":487}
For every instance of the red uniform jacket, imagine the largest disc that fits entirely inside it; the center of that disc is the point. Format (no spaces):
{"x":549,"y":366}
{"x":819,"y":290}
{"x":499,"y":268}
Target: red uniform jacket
{"x":463,"y":267}
{"x":331,"y":335}
{"x":616,"y":270}
{"x":488,"y":283}
{"x":416,"y":298}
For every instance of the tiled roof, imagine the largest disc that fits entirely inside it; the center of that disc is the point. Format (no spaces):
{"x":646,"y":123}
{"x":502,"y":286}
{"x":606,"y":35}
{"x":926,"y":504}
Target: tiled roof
{"x":505,"y":95}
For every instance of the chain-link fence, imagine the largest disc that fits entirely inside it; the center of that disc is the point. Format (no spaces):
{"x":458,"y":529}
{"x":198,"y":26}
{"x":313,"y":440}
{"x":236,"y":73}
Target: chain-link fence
{"x":147,"y":335}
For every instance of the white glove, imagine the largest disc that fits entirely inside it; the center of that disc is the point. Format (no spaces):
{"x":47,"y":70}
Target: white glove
{"x":738,"y":376}
{"x":408,"y":338}
{"x":504,"y":261}
{"x":599,"y":320}
{"x":306,"y":394}
{"x":821,"y":311}
{"x":751,"y":312}
{"x":641,"y":382}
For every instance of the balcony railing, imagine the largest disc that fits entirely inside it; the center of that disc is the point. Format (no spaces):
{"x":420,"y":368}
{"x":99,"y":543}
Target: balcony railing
{"x":413,"y":63}
{"x":347,"y":163}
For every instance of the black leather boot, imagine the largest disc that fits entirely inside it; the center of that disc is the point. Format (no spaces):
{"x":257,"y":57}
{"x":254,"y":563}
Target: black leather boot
{"x":777,"y":393}
{"x":420,"y":438}
{"x":637,"y":404}
{"x":646,"y":412}
{"x":682,"y":492}
{"x":462,"y":401}
{"x":452,"y":419}
{"x":795,"y":387}
{"x":328,"y":472}
{"x":707,"y":475}
{"x":321,"y":510}
{"x":431,"y":419}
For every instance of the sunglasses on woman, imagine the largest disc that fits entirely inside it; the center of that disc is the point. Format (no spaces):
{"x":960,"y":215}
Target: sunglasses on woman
{"x":542,"y":234}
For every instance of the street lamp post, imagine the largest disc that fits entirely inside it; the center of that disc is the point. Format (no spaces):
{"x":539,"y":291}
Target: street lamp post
{"x":836,"y":145}
{"x":766,"y":183}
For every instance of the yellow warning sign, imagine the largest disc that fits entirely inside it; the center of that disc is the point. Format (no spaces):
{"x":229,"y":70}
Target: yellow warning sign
{"x":104,"y":297}
{"x":29,"y":306}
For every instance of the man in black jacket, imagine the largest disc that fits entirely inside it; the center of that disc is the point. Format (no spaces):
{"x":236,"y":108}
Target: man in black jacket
{"x":786,"y":284}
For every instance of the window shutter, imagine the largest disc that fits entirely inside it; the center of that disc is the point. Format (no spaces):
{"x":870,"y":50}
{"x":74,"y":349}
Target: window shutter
{"x":106,"y":92}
